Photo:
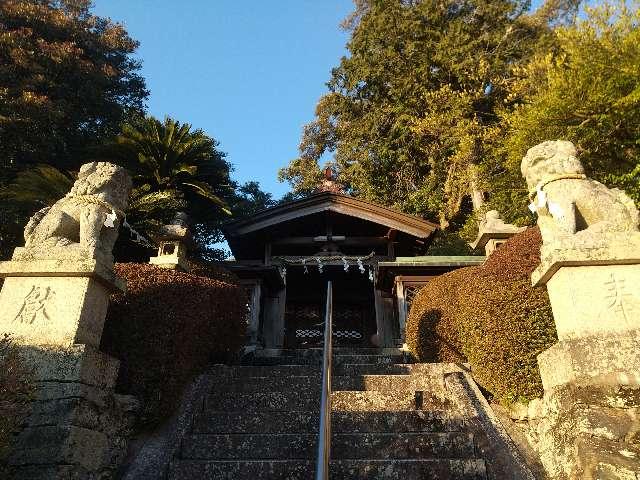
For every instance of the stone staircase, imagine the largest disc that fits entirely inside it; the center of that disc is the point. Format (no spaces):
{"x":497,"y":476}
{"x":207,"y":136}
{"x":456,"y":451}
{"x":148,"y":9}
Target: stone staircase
{"x":390,"y":420}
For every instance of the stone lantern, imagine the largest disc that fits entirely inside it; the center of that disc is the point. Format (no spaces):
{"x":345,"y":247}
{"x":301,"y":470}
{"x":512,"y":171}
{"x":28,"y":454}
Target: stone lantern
{"x":174,"y":242}
{"x":493,"y":232}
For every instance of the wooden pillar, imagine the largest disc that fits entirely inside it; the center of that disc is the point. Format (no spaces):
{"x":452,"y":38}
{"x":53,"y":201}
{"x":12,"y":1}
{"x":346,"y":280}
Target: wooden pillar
{"x":273,"y":325}
{"x":402,"y":307}
{"x":267,"y":253}
{"x":384,"y":318}
{"x":254,"y":290}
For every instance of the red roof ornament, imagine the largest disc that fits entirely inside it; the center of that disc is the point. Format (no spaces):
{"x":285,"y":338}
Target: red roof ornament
{"x":329,"y":183}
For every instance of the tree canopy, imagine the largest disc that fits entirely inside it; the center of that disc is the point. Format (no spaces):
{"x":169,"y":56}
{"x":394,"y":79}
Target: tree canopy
{"x":67,"y":81}
{"x":70,"y":92}
{"x":587,"y":90}
{"x":174,"y":168}
{"x":436,"y":103}
{"x":409,"y":110}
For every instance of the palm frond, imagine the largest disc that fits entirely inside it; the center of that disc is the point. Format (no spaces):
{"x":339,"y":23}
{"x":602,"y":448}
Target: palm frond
{"x":41,"y":185}
{"x":204,"y":189}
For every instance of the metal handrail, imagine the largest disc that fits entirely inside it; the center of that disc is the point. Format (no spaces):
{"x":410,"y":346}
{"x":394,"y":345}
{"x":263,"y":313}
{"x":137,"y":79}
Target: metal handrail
{"x":324,"y":434}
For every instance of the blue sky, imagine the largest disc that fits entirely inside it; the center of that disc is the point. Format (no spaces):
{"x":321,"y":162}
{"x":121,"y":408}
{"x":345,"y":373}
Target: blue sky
{"x":249,"y":73}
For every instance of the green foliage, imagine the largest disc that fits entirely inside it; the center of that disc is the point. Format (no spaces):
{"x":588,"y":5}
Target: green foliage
{"x":412,"y":107}
{"x":174,"y":168}
{"x":491,"y":317}
{"x":42,"y":186}
{"x":249,"y":199}
{"x":16,"y":392}
{"x":587,"y":90}
{"x":67,"y":80}
{"x":167,"y":328}
{"x":169,"y":156}
{"x":432,"y":328}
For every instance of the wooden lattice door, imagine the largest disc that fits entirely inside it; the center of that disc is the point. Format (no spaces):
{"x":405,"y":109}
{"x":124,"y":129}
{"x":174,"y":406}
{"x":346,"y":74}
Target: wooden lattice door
{"x":305,"y":325}
{"x":350,"y":324}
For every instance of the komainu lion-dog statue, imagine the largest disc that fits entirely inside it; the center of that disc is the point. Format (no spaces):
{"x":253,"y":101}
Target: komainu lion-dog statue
{"x":83,"y":224}
{"x":573,"y":210}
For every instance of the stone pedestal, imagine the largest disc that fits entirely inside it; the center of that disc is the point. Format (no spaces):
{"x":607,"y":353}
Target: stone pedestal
{"x":606,"y":360}
{"x":591,"y":377}
{"x":596,"y":308}
{"x":54,"y":311}
{"x":56,"y":303}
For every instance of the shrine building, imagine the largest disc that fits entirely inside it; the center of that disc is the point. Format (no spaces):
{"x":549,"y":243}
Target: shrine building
{"x":375,"y":257}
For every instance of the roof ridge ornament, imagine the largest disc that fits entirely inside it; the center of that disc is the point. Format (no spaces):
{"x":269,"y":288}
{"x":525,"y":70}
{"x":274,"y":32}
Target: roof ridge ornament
{"x":330,"y":183}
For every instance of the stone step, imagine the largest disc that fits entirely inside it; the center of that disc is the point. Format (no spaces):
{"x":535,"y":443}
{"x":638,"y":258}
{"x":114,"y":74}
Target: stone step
{"x":432,"y":469}
{"x":341,"y":422}
{"x":388,"y":383}
{"x":309,"y":400}
{"x":343,"y":350}
{"x":268,"y":384}
{"x":396,"y":383}
{"x":373,"y":401}
{"x":304,"y":400}
{"x":355,"y":370}
{"x":338,"y":359}
{"x":357,"y":446}
{"x":220,"y":372}
{"x":364,"y":359}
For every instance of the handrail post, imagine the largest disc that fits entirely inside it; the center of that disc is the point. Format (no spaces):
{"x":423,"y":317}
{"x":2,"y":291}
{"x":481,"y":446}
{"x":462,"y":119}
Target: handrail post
{"x":324,"y":433}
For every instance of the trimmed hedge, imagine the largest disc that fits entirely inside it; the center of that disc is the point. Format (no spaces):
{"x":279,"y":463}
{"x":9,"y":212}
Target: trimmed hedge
{"x":167,"y":328}
{"x":431,"y":330}
{"x":493,"y":316}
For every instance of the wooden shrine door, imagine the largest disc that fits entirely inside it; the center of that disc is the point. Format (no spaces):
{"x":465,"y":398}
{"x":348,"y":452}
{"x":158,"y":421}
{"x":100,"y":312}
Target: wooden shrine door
{"x":353,"y":310}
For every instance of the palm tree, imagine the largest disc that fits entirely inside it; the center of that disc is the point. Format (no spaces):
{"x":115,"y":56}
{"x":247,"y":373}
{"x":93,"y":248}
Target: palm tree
{"x":169,"y":157}
{"x":174,"y":168}
{"x":40,"y":186}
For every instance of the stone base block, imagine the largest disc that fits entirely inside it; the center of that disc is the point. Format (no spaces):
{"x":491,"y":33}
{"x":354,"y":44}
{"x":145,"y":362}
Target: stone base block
{"x":599,"y":458}
{"x":78,"y":363}
{"x":587,"y":431}
{"x":60,"y":445}
{"x":77,"y":412}
{"x":595,"y":360}
{"x":55,"y":303}
{"x":52,"y":472}
{"x":81,"y":427}
{"x":595,"y":300}
{"x":606,"y":249}
{"x":170,"y":262}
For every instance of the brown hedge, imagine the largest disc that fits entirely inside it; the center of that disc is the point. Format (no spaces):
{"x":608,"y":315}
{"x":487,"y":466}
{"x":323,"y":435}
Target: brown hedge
{"x":498,"y":322}
{"x":167,"y":328}
{"x":431,"y":330}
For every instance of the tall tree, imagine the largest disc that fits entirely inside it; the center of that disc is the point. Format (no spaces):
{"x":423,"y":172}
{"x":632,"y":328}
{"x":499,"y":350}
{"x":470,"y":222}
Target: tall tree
{"x":587,"y":90}
{"x":411,"y":109}
{"x":67,"y":80}
{"x":174,"y":168}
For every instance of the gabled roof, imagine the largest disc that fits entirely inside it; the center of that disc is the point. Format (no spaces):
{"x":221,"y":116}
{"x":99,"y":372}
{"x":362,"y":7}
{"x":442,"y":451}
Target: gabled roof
{"x":327,"y":201}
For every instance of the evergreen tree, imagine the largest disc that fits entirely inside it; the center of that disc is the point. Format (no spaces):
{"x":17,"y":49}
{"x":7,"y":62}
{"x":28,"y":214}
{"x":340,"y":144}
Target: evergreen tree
{"x":410,"y":110}
{"x":174,"y":168}
{"x":67,"y":81}
{"x":587,"y":90}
